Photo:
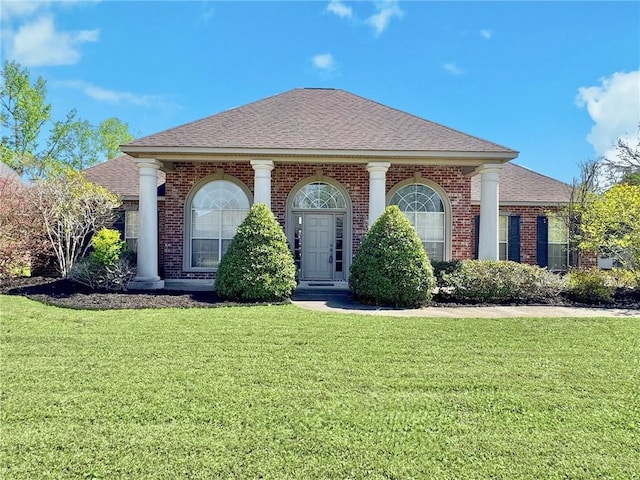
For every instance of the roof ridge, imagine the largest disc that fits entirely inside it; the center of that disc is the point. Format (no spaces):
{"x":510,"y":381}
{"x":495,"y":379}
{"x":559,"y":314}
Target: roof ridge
{"x":538,"y":173}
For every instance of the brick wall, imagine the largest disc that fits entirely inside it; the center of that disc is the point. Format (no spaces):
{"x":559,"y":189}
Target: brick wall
{"x":354,"y":178}
{"x":529,"y":234}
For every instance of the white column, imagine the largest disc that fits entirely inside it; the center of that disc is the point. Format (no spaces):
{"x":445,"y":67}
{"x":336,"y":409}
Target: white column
{"x":147,"y":273}
{"x":377,"y":189}
{"x":262,"y":181}
{"x":489,"y":211}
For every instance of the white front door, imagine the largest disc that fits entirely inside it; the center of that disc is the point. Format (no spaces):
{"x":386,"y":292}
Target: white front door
{"x":317,"y":251}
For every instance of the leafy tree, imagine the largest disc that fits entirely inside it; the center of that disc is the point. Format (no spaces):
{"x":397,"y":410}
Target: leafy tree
{"x":392,"y":267}
{"x":22,"y":236}
{"x":72,"y":209}
{"x":25,"y":118}
{"x":611,"y":224}
{"x":259,"y":265}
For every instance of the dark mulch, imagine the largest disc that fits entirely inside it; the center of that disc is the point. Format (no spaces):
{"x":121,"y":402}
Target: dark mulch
{"x":68,"y":294}
{"x":64,"y":293}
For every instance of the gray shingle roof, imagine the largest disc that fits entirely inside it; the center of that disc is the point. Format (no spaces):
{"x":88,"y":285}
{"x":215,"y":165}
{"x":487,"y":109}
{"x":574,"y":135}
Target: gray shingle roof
{"x":318,"y":119}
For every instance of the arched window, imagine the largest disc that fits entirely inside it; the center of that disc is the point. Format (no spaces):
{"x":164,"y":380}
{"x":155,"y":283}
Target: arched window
{"x":424,"y":208}
{"x":319,"y":195}
{"x":216,"y":211}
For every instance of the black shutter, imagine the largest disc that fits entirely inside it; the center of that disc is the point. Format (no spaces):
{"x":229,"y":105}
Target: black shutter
{"x":513,"y":247}
{"x":118,"y":224}
{"x":477,"y":237}
{"x":542,"y":250}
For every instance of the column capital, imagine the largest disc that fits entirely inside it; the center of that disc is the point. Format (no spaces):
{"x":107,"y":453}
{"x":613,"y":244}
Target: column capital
{"x":490,"y":168}
{"x":262,"y":164}
{"x":148,"y":163}
{"x":378,"y":167}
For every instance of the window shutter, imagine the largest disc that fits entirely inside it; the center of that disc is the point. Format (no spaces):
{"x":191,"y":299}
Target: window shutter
{"x":118,"y":223}
{"x":477,"y":237}
{"x":513,"y":248}
{"x":542,"y":250}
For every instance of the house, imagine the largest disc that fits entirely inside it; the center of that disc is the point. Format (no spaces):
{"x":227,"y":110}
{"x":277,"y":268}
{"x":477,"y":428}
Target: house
{"x":327,"y":162}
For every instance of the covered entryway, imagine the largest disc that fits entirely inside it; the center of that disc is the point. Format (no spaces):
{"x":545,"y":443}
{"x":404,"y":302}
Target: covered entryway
{"x":319,"y":232}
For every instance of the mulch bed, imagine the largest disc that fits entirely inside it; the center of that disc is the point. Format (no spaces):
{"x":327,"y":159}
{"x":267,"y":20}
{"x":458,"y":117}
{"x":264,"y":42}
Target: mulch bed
{"x":64,"y":293}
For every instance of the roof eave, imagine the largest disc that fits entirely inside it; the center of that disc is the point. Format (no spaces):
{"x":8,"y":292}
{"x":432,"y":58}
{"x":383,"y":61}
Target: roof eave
{"x":209,"y":153}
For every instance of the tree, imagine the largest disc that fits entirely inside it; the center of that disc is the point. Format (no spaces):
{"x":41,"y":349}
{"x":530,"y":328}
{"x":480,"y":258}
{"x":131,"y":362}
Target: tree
{"x":259,"y":265}
{"x":25,"y":116}
{"x":584,"y":190}
{"x":611,"y":224}
{"x":22,"y":236}
{"x":392,"y":267}
{"x":72,"y":209}
{"x":625,"y":167}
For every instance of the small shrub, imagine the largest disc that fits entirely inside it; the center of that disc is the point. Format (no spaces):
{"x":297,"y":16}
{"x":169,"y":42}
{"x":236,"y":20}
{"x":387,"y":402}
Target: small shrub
{"x":499,"y":282}
{"x":107,"y":246}
{"x":90,"y":272}
{"x":391,"y":267}
{"x":259,"y":265}
{"x":108,"y":267}
{"x":589,"y":286}
{"x":442,"y":268}
{"x":623,"y":278}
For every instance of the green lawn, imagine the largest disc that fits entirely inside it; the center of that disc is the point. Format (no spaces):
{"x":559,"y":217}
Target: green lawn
{"x":279,"y":392}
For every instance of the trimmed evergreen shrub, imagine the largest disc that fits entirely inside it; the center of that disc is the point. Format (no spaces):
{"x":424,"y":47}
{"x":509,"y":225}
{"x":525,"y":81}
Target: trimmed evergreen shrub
{"x":258,"y":266}
{"x":488,"y":281}
{"x":391,"y":267}
{"x":589,"y":286}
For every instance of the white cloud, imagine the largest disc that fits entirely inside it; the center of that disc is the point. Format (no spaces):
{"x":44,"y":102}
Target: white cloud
{"x":38,"y":44}
{"x":340,"y":9}
{"x":113,"y":96}
{"x":453,"y":69}
{"x":486,"y":34}
{"x":324,"y":62}
{"x":614,"y":107}
{"x":14,"y":9}
{"x":386,"y":11}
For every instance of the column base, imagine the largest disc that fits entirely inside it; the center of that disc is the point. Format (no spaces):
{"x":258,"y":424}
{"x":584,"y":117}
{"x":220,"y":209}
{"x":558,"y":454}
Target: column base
{"x":146,"y":283}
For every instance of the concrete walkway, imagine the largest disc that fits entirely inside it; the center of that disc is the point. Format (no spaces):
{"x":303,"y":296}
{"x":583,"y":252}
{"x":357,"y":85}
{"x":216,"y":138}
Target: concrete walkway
{"x":340,"y":302}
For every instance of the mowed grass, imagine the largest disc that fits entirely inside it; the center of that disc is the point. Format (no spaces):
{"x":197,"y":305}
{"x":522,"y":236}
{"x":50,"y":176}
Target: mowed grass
{"x":280,"y":392}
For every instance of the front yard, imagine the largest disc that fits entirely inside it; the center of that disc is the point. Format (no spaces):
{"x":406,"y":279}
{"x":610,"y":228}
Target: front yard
{"x":280,"y":392}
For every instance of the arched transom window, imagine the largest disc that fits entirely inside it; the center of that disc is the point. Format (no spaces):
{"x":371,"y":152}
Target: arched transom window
{"x":217,"y":209}
{"x":319,"y":195}
{"x":425,"y":210}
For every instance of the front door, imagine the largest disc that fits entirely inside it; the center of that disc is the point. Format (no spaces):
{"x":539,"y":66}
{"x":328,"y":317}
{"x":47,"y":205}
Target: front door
{"x":317,"y":248}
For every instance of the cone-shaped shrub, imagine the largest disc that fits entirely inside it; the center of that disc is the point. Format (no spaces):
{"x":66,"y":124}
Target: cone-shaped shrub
{"x":258,"y":266}
{"x":391,"y":267}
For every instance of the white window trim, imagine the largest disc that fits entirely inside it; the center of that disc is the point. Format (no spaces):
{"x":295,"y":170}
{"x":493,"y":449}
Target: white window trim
{"x":186,"y":246}
{"x":448,"y":217}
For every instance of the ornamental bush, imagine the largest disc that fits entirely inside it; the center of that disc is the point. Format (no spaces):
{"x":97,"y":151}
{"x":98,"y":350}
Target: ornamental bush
{"x":590,"y":286}
{"x":491,"y":281}
{"x":107,"y":246}
{"x":392,"y":267}
{"x":108,"y":267}
{"x":258,"y":266}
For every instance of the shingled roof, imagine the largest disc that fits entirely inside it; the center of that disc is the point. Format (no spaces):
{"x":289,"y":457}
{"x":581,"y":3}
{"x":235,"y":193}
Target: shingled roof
{"x":317,"y":120}
{"x":519,"y":185}
{"x":120,"y":176}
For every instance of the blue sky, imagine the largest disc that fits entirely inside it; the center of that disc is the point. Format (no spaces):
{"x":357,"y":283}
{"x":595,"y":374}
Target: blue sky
{"x":558,"y":81}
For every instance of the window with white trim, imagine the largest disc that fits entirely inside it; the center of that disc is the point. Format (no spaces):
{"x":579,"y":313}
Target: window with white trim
{"x":425,"y":210}
{"x":216,"y":211}
{"x":503,"y":237}
{"x":558,"y":244}
{"x":131,"y":227}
